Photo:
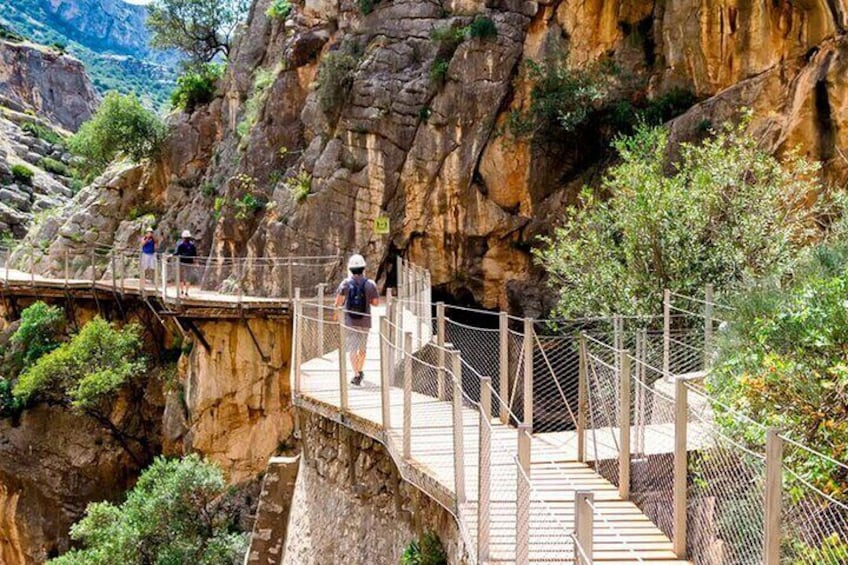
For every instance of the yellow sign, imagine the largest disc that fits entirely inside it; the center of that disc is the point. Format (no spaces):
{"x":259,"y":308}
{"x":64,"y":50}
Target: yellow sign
{"x":381,"y":225}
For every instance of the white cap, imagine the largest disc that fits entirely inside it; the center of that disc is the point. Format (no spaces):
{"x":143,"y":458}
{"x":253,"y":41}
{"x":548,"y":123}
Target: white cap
{"x":356,"y":262}
{"x":186,"y":234}
{"x":149,"y":230}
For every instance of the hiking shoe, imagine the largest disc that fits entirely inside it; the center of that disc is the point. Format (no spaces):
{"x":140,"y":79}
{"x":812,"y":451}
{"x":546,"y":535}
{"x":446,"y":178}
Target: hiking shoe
{"x":357,"y":380}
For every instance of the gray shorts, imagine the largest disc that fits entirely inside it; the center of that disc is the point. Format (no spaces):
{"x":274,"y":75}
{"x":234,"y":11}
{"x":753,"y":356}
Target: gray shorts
{"x":190,"y":273}
{"x":356,"y":339}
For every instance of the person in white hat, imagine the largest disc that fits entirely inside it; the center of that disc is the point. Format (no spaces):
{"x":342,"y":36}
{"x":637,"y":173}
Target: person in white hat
{"x":186,"y":251}
{"x":148,"y":253}
{"x":357,"y":294}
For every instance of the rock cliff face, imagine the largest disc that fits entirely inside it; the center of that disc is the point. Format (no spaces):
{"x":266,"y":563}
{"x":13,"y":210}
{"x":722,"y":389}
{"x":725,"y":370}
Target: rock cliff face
{"x":422,"y":147}
{"x":47,"y":83}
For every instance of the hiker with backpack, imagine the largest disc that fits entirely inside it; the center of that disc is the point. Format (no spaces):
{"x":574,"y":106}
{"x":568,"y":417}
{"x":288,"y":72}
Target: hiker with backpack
{"x":357,"y":294}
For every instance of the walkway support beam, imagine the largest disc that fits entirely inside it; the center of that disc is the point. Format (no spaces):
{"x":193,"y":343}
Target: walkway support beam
{"x":584,"y":522}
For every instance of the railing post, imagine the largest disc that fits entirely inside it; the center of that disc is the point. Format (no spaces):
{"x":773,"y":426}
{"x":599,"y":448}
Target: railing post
{"x":529,"y":338}
{"x":681,"y":464}
{"x":640,"y":404}
{"x":164,"y":277}
{"x":708,"y":322}
{"x":618,"y":340}
{"x":320,"y":317}
{"x":484,"y":471}
{"x":343,"y":392}
{"x":582,"y":397}
{"x":773,"y":494}
{"x":291,"y":279}
{"x":385,"y":375}
{"x":177,"y":267}
{"x":142,"y":283}
{"x":666,"y":334}
{"x":297,"y":354}
{"x":407,"y":396}
{"x":522,"y":497}
{"x":624,"y":427}
{"x":93,"y":269}
{"x":114,"y":268}
{"x":67,"y":267}
{"x":584,"y":519}
{"x":503,"y":373}
{"x":458,"y":440}
{"x":440,"y":349}
{"x":399,"y":276}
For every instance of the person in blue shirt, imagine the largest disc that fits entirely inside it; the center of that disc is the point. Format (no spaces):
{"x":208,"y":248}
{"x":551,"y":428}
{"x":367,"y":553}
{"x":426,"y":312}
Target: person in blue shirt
{"x":148,"y":253}
{"x":357,"y":294}
{"x":186,"y":251}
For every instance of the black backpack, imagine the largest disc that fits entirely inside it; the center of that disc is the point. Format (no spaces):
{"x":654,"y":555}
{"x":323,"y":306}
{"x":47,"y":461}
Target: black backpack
{"x":357,"y":300}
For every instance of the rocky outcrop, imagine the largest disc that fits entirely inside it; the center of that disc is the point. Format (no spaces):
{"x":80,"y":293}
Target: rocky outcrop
{"x":46,"y":83}
{"x":425,"y":147}
{"x":351,"y":505}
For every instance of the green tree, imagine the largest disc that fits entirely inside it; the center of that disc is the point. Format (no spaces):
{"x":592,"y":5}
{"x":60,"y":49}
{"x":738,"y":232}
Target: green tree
{"x":174,"y":514}
{"x":120,"y":126}
{"x":202,"y":29}
{"x":723,"y":211}
{"x":95,"y":363}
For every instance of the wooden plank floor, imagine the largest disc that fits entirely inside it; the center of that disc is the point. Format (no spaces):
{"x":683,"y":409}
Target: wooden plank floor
{"x":623,"y":534}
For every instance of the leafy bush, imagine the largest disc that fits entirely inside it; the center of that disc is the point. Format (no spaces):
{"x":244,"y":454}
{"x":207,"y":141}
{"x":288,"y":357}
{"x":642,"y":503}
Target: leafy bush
{"x":9,"y":405}
{"x":300,"y":185}
{"x":120,"y":126}
{"x":626,"y":115}
{"x":482,"y":28}
{"x":22,"y":174}
{"x":59,"y":47}
{"x":447,"y":39}
{"x":335,"y":77}
{"x":56,"y":167}
{"x":439,"y":72}
{"x":196,"y":87}
{"x":42,"y":132}
{"x":39,"y":332}
{"x":781,"y":361}
{"x":366,"y":6}
{"x":279,"y":9}
{"x":96,"y":362}
{"x":428,"y":550}
{"x":724,"y":212}
{"x":560,"y":98}
{"x":176,"y":513}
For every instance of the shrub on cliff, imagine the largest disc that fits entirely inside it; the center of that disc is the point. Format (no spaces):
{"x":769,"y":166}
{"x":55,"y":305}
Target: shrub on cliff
{"x":724,"y":211}
{"x":121,"y":126}
{"x":196,"y":87}
{"x":427,"y":550}
{"x":335,"y":78}
{"x":22,"y":174}
{"x":175,"y":514}
{"x":39,"y":332}
{"x":94,"y":364}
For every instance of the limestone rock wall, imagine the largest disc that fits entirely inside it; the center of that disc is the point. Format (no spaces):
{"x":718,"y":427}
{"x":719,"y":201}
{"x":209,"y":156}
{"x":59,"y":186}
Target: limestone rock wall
{"x":429,"y":154}
{"x":351,"y":506}
{"x":237,"y":401}
{"x":53,"y":85}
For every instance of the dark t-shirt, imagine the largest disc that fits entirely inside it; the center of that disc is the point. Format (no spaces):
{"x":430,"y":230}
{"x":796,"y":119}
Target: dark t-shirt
{"x":186,"y":251}
{"x":371,"y":294}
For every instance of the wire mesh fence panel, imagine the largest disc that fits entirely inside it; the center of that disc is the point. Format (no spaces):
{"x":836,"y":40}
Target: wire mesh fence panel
{"x":515,"y":402}
{"x":814,"y":517}
{"x":603,"y":418}
{"x":556,"y":369}
{"x":480,"y":353}
{"x":726,"y":490}
{"x":652,"y":445}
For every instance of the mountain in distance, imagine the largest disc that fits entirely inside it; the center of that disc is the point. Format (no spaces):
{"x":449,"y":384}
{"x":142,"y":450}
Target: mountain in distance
{"x":108,"y":36}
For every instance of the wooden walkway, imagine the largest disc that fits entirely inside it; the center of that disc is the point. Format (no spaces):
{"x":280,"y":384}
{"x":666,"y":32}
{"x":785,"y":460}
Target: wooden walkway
{"x":622,"y":533}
